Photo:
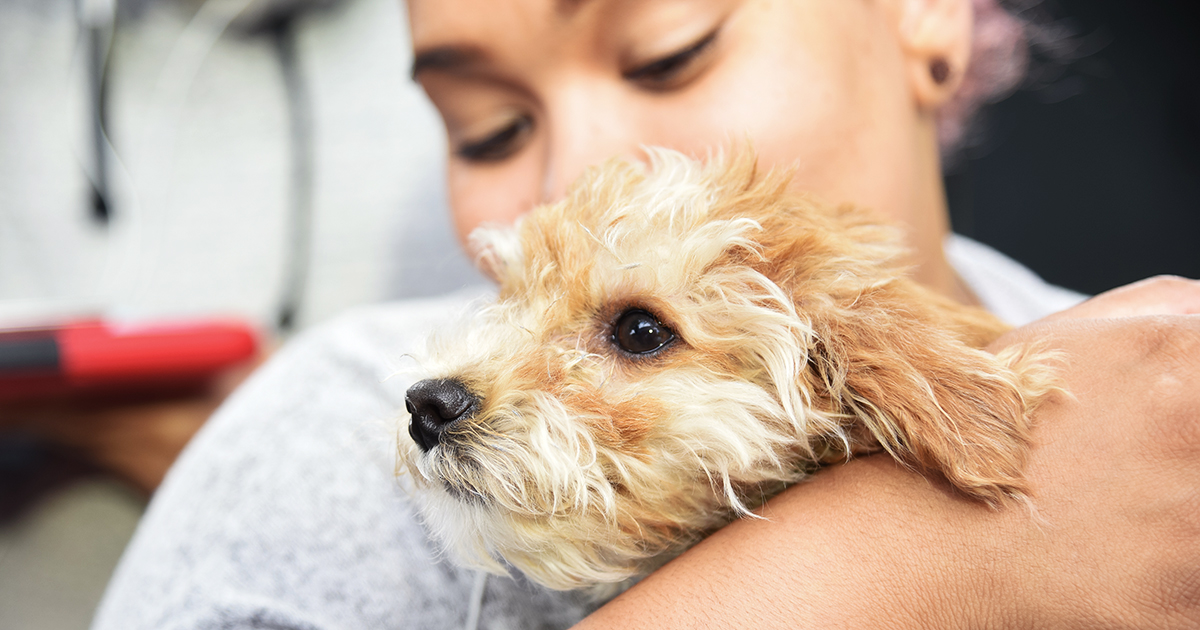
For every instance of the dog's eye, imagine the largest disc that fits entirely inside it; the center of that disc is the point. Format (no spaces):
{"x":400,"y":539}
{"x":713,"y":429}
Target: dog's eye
{"x":639,"y":332}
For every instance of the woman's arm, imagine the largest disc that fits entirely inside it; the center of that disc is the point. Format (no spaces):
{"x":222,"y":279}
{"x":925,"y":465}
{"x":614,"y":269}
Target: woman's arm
{"x":1115,"y":539}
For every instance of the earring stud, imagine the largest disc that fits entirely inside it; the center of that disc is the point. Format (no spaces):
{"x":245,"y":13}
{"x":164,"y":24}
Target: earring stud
{"x":939,"y":69}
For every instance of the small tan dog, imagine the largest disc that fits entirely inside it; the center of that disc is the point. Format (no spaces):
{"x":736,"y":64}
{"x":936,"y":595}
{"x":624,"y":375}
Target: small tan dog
{"x":672,"y":346}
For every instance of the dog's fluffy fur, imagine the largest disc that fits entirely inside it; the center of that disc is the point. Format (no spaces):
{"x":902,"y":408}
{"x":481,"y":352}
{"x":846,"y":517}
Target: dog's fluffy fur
{"x":799,"y":340}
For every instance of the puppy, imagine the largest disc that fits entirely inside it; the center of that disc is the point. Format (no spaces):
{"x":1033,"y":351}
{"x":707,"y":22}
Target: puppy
{"x":673,"y":345}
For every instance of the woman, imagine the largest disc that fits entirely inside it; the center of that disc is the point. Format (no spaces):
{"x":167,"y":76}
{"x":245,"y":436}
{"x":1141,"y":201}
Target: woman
{"x":283,"y":514}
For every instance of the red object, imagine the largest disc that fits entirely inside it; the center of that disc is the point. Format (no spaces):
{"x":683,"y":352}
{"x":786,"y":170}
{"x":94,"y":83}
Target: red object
{"x":94,"y":357}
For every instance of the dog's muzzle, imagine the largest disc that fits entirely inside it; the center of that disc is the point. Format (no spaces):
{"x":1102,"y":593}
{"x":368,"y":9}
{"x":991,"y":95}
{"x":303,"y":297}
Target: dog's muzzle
{"x":435,"y":404}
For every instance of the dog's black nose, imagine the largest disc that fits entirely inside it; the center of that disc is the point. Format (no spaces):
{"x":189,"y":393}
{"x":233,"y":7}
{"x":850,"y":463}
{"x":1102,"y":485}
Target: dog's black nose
{"x":435,"y":404}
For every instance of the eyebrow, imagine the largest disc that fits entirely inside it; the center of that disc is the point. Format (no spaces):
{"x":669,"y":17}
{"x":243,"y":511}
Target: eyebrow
{"x":568,"y":6}
{"x":452,"y":57}
{"x":445,"y":58}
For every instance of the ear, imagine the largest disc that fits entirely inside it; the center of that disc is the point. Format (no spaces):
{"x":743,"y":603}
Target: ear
{"x":895,"y":368}
{"x":496,"y":249}
{"x":935,"y":36}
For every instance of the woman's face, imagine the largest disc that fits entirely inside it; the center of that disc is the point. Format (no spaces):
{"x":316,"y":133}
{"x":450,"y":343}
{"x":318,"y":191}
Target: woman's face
{"x":534,"y":91}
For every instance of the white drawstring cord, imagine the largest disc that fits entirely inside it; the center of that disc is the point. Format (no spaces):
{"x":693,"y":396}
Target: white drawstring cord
{"x":476,"y":606}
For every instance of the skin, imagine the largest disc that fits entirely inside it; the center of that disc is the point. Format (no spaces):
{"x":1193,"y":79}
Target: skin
{"x":573,"y":83}
{"x":534,"y":91}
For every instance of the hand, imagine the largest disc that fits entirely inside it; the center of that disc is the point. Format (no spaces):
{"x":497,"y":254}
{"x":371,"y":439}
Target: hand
{"x":1160,"y":295}
{"x":1114,"y":542}
{"x":1116,"y":470}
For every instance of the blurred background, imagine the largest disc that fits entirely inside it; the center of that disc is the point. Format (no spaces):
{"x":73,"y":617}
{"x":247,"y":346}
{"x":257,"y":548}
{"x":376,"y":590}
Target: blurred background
{"x":270,"y":160}
{"x":1090,"y":174}
{"x":261,"y":159}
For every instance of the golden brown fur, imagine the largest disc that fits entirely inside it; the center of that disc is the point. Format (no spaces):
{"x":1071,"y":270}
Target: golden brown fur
{"x":798,"y":339}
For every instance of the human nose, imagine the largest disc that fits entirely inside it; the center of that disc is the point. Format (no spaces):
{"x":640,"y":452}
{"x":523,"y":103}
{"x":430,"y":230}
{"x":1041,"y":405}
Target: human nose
{"x":586,"y":126}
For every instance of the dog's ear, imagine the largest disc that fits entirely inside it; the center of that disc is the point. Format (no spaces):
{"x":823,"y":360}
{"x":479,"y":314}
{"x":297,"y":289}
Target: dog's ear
{"x":926,"y":396}
{"x":496,"y":249}
{"x":886,"y":354}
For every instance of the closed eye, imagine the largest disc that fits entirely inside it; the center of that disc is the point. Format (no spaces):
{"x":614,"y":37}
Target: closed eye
{"x":499,"y":144}
{"x":672,"y":70}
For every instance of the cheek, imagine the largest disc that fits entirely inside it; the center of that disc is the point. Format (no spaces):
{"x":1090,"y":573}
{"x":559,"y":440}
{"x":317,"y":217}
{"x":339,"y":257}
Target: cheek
{"x":819,"y":98}
{"x":842,"y":114}
{"x":778,"y":95}
{"x":492,"y":194}
{"x":803,"y":120}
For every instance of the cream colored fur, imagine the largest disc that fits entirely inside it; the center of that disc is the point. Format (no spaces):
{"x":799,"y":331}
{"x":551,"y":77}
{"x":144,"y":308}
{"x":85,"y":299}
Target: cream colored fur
{"x":799,"y":341}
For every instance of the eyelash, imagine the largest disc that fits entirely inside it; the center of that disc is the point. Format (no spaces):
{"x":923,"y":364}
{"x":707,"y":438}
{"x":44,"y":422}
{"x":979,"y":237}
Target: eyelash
{"x":658,"y":74}
{"x":498,"y":145}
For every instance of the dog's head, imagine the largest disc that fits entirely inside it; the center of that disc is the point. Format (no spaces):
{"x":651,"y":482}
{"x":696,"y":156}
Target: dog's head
{"x":634,"y":387}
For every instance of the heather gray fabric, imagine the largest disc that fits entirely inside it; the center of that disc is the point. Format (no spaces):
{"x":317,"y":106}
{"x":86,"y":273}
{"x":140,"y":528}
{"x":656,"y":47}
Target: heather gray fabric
{"x":284,"y":511}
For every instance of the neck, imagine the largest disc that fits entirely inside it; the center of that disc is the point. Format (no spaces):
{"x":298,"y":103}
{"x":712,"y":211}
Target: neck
{"x":929,"y":223}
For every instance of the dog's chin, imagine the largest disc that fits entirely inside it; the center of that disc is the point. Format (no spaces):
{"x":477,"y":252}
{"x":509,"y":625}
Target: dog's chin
{"x":478,"y":528}
{"x":486,"y":539}
{"x":441,"y":470}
